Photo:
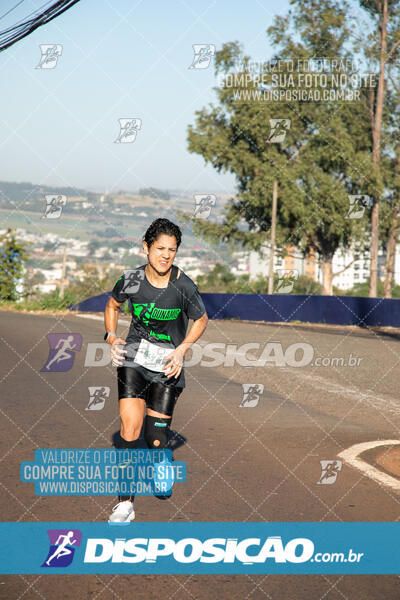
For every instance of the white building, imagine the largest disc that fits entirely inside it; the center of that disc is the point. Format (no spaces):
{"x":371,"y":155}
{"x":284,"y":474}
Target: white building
{"x":45,"y":288}
{"x":357,"y":271}
{"x":193,"y":272}
{"x":189,"y":262}
{"x":352,"y":266}
{"x":257,"y":263}
{"x":396,"y":274}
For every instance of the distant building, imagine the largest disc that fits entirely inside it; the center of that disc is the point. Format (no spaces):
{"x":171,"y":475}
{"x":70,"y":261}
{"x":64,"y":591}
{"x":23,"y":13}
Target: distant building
{"x":258,"y":262}
{"x":396,"y":274}
{"x":193,"y":272}
{"x":45,"y":288}
{"x":187,"y":262}
{"x":351,"y":266}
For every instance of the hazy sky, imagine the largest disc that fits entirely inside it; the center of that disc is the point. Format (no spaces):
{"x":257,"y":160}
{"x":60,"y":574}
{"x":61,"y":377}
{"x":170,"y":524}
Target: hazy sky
{"x":119,"y":59}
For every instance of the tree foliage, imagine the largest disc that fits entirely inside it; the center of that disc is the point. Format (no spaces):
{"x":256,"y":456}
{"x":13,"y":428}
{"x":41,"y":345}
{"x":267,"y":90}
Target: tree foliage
{"x":13,"y":255}
{"x":325,"y":155}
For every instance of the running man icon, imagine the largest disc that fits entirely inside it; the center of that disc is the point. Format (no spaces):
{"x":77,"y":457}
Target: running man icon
{"x":97,"y":397}
{"x":63,"y":543}
{"x":330,"y":470}
{"x":279,"y":128}
{"x":62,"y":550}
{"x":62,"y":351}
{"x":54,"y":206}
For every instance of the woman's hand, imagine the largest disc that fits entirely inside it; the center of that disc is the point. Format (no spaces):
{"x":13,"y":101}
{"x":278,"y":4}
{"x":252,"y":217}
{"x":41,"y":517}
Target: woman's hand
{"x":174,"y":362}
{"x":117,"y":353}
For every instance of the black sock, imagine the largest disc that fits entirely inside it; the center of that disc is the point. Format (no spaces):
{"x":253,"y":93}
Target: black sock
{"x":120,"y":444}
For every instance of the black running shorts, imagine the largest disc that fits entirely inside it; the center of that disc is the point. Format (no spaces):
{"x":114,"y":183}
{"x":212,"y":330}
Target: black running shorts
{"x":158,"y":396}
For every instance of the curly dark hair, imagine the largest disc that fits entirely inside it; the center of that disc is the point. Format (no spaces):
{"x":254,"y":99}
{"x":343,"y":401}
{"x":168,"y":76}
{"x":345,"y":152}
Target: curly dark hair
{"x":160,"y":226}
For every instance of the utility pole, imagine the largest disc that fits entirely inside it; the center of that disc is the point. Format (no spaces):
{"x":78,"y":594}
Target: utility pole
{"x":273,"y":228}
{"x":63,"y":272}
{"x":383,"y":14}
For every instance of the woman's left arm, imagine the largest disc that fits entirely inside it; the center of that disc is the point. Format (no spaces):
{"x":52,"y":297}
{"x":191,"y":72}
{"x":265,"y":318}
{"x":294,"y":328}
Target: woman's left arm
{"x":174,"y":361}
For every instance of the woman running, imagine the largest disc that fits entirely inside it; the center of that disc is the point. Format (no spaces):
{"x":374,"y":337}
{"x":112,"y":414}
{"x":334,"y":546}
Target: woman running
{"x":150,"y":370}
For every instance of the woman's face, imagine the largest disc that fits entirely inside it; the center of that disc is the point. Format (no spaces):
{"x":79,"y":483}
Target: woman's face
{"x":161,"y":253}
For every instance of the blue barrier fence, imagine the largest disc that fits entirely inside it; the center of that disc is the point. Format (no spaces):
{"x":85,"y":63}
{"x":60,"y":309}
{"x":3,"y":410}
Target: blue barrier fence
{"x":94,"y":304}
{"x":336,"y":310}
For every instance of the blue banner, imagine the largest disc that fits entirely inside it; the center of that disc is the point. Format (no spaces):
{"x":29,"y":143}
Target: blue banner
{"x":207,"y":548}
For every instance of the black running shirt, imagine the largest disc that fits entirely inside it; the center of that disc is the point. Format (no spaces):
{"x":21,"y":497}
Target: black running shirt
{"x":159,"y":315}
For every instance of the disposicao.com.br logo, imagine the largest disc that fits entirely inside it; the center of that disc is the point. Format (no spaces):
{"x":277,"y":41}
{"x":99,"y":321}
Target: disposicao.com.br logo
{"x":200,"y":547}
{"x":247,"y":551}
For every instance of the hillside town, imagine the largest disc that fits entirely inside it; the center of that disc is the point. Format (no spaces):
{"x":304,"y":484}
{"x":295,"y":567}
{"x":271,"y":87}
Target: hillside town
{"x":50,"y":253}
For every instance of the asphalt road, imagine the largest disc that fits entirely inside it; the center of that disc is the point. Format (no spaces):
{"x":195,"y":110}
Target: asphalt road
{"x":248,"y":458}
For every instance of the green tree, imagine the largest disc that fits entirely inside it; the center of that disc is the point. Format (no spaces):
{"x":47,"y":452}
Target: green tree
{"x":323,"y":158}
{"x":13,"y":255}
{"x":94,"y":245}
{"x":389,"y":226}
{"x":221,"y":280}
{"x":307,"y":286}
{"x":218,"y":280}
{"x":383,"y":46}
{"x":30,"y":282}
{"x":94,"y":282}
{"x":389,"y":209}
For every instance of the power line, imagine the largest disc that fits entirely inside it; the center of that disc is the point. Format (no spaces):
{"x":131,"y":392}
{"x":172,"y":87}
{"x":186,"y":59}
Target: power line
{"x":11,"y":9}
{"x":13,"y":34}
{"x":34,"y":12}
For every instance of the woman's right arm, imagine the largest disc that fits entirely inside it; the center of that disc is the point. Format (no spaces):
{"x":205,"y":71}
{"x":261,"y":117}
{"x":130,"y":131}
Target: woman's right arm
{"x":111,"y":323}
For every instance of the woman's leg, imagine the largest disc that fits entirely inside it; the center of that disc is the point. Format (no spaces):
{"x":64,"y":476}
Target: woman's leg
{"x":131,"y":394}
{"x":131,"y":412}
{"x":160,"y":407}
{"x":156,"y":432}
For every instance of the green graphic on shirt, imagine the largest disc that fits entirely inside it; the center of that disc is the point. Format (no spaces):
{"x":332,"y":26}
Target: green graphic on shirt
{"x":161,"y":336}
{"x":149,"y":310}
{"x":139,"y":310}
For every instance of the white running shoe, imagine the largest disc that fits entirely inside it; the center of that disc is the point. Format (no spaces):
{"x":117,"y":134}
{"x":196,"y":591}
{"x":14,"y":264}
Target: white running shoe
{"x":122,"y":512}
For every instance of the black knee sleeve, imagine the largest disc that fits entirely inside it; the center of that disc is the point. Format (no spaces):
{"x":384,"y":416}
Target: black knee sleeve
{"x":156,"y":432}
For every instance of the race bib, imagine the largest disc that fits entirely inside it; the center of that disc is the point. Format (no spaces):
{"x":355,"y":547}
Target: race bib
{"x":151,"y":356}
